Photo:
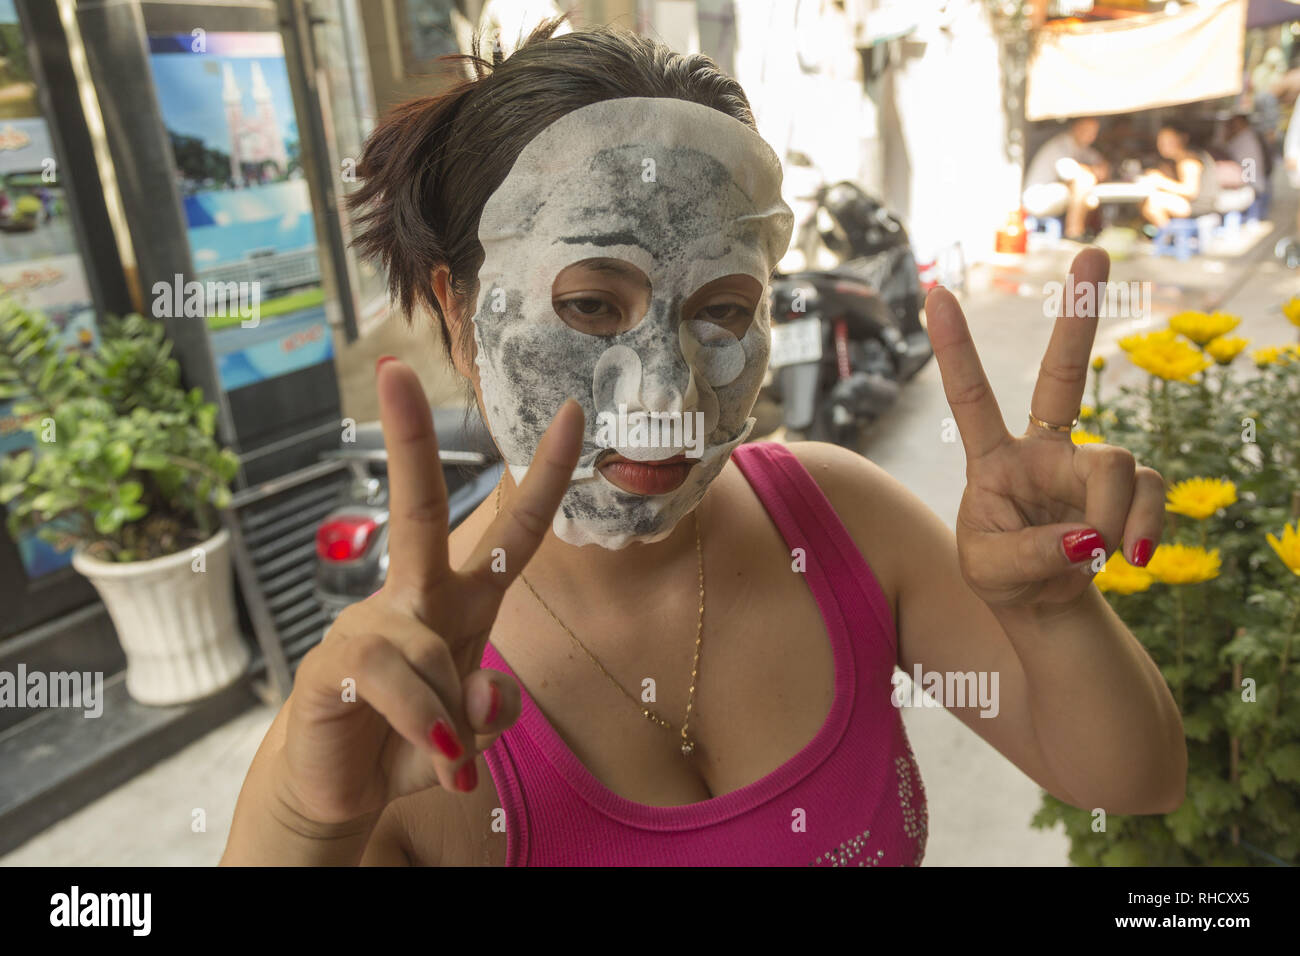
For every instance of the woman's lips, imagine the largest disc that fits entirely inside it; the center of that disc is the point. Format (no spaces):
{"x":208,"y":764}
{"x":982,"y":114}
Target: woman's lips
{"x":647,"y":477}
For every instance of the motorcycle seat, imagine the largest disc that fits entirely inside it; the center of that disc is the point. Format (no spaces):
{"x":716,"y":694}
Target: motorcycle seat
{"x":449,"y":421}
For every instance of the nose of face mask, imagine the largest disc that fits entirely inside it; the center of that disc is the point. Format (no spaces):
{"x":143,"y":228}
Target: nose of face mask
{"x":674,"y":414}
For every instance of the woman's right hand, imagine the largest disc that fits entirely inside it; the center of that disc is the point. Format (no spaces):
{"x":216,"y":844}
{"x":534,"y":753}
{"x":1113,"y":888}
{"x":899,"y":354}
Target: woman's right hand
{"x":393,"y":700}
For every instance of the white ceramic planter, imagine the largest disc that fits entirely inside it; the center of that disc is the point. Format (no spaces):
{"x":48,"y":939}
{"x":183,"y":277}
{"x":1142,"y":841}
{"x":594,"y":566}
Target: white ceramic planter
{"x":177,"y":625}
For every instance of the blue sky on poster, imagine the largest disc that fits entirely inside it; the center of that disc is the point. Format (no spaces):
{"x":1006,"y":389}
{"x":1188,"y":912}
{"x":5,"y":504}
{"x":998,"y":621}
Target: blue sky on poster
{"x":189,"y":94}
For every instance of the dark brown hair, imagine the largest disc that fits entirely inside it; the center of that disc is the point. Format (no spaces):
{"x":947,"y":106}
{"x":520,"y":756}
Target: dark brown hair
{"x":432,"y":162}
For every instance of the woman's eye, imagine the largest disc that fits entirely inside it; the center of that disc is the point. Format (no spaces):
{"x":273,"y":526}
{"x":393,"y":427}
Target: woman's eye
{"x":724,"y":312}
{"x":587,"y":310}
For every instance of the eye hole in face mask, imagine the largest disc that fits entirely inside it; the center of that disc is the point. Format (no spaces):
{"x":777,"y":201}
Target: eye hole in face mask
{"x":728,"y":302}
{"x":601,"y":296}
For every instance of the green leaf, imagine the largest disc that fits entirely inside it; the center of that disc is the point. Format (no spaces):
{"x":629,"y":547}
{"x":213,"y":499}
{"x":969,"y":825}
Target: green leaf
{"x":1198,"y":726}
{"x":24,"y":355}
{"x":1185,"y":823}
{"x":149,"y":460}
{"x":118,"y":455}
{"x":1125,"y":854}
{"x":21,"y":464}
{"x":1253,"y":780}
{"x":1284,"y":762}
{"x":108,"y":520}
{"x":129,"y":492}
{"x":53,"y":501}
{"x":227,"y":464}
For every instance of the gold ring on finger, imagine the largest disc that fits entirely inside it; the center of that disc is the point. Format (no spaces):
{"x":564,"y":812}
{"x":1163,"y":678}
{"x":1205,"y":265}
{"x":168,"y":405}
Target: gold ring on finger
{"x":1066,"y":429}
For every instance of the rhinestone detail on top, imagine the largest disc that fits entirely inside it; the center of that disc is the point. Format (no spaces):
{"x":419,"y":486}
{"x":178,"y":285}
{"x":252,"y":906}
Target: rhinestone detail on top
{"x":911,"y":797}
{"x":845,"y":853}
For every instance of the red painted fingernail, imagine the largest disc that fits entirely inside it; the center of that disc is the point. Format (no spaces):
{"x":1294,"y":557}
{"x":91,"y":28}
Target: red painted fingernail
{"x":495,"y":705}
{"x":445,"y":740}
{"x":467,"y":777}
{"x":1079,"y":545}
{"x":1142,"y":552}
{"x":383,"y":359}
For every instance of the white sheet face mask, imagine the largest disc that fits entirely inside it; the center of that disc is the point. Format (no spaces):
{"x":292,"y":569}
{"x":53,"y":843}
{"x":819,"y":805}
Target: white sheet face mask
{"x":687,"y":195}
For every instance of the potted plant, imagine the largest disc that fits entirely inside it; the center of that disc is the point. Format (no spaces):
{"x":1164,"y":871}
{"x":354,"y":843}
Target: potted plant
{"x":126,"y":469}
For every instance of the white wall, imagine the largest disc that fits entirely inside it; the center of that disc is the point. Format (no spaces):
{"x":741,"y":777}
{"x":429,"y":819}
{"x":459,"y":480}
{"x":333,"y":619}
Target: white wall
{"x":942,"y":131}
{"x":804,"y":81}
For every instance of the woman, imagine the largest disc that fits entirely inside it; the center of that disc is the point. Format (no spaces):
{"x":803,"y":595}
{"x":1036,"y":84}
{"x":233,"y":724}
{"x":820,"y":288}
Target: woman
{"x":695,"y":667}
{"x":1195,"y":185}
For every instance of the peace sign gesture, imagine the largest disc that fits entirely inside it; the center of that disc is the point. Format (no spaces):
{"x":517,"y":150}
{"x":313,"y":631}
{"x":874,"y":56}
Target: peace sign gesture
{"x":1040,"y":514}
{"x":421,"y":707}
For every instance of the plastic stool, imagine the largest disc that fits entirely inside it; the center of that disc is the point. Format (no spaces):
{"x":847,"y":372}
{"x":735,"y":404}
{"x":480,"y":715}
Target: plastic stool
{"x":1178,"y":238}
{"x":1051,"y":225}
{"x":1259,"y":208}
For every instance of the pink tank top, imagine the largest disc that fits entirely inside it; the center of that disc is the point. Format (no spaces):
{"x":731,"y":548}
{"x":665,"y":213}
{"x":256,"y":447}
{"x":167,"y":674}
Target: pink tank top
{"x":851,"y":797}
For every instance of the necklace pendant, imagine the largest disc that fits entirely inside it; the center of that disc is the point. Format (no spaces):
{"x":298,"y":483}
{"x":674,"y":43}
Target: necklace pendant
{"x":688,"y":748}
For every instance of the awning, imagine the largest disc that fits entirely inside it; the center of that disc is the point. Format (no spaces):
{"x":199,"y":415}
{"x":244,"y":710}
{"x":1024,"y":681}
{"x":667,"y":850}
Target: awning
{"x":1267,"y":13}
{"x":1137,"y":63}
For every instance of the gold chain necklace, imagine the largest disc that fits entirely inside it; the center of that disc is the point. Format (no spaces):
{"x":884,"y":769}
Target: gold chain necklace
{"x":688,"y":746}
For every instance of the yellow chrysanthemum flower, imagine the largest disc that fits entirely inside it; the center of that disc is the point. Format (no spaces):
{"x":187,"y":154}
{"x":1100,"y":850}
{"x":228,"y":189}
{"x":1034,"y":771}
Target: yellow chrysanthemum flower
{"x":1224,"y":350}
{"x":1082,"y":437}
{"x":1201,"y":497}
{"x":1291,"y":310}
{"x":1171,"y":360}
{"x":1121,"y":577}
{"x":1288,"y":548}
{"x":1098,"y":363}
{"x":1086,"y":411}
{"x":1130,"y":342}
{"x":1183,"y":564}
{"x":1275,"y":354}
{"x":1202,"y":328}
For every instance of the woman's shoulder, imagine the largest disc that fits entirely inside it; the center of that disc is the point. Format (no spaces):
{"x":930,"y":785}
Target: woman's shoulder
{"x":875,"y":508}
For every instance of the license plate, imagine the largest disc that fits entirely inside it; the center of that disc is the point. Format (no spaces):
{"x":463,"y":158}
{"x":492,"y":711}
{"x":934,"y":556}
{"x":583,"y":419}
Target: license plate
{"x":795,"y":342}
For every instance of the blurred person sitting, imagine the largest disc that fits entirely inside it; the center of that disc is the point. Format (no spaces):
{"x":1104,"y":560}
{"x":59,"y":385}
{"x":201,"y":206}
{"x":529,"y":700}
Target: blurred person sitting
{"x":1062,"y":174}
{"x":1191,"y":190}
{"x":1246,"y":160}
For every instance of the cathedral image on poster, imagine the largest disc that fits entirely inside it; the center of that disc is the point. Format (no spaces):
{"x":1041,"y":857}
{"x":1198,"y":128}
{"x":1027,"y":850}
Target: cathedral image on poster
{"x":255,"y":137}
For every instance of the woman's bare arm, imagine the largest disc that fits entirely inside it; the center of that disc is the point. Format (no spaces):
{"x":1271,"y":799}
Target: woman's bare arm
{"x":268,"y":831}
{"x":1081,"y":707}
{"x":1188,"y":183}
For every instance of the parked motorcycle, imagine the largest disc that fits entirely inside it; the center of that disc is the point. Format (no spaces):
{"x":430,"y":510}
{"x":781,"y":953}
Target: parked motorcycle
{"x":846,"y":338}
{"x":352,"y":540}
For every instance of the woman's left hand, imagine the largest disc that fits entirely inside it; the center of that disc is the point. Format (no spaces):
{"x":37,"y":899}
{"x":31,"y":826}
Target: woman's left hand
{"x":1040,"y":514}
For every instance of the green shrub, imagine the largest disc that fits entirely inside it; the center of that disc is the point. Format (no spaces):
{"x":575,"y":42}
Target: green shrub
{"x":1227,"y":645}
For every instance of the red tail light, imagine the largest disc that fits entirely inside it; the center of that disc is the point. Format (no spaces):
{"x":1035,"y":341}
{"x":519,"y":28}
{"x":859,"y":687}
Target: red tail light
{"x":344,"y":539}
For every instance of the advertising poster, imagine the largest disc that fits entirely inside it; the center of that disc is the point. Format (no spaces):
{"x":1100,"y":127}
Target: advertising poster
{"x":227,"y":106}
{"x":40,"y":264}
